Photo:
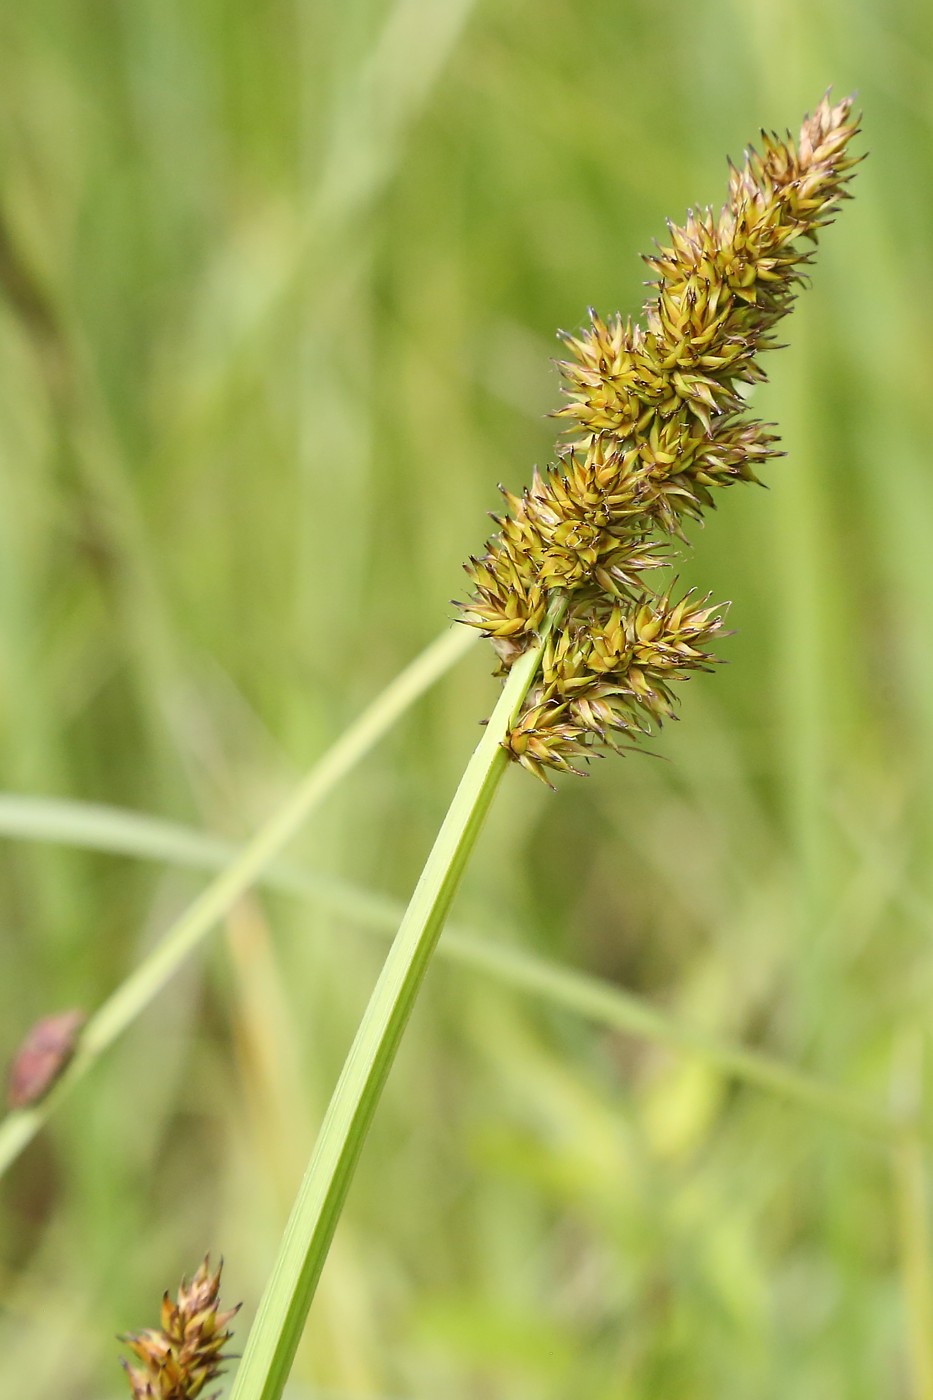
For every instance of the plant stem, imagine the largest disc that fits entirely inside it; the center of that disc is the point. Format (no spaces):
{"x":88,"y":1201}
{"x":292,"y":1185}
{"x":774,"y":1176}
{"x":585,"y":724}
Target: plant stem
{"x":276,"y":1331}
{"x":909,"y":1164}
{"x":910,"y":1168}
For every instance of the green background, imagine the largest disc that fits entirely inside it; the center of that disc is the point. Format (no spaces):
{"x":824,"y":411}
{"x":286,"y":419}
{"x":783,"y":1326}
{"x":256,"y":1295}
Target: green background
{"x":278,"y":292}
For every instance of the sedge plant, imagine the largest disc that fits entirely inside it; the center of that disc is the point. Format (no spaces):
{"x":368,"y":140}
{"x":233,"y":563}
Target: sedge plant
{"x":589,"y":648}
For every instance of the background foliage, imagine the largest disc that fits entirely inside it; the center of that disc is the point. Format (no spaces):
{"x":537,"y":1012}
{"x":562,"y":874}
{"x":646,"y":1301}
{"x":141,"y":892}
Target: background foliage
{"x":279,"y":287}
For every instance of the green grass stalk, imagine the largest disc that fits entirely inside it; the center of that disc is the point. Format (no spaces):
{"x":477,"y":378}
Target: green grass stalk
{"x":909,"y":1166}
{"x":277,"y":1329}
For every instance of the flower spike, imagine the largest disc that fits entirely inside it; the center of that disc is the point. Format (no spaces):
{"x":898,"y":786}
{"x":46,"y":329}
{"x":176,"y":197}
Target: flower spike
{"x":656,"y":422}
{"x":182,"y":1356}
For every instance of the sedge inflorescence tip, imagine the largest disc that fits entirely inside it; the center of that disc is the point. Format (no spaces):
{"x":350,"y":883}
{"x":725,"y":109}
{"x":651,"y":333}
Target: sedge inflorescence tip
{"x":656,"y":422}
{"x":177,"y":1359}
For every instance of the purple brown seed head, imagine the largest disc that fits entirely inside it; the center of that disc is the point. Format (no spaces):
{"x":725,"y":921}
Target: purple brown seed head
{"x":43,"y":1057}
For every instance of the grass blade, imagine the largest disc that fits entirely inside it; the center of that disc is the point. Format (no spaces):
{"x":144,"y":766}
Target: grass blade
{"x":188,"y":931}
{"x":276,"y":1331}
{"x":118,"y":832}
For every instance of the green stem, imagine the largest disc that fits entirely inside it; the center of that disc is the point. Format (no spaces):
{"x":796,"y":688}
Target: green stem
{"x":909,"y":1164}
{"x":134,"y":994}
{"x":277,"y":1329}
{"x":910,"y":1168}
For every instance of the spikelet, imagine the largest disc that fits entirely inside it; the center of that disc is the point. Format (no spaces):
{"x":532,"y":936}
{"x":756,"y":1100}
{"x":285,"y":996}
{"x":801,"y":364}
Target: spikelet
{"x":655,"y":423}
{"x":179,"y":1358}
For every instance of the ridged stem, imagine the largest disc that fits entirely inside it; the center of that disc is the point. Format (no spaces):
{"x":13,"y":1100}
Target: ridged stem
{"x":276,"y":1331}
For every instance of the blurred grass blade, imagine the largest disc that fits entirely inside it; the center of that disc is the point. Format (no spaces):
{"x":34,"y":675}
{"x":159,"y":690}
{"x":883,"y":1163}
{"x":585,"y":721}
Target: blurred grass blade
{"x":94,"y":826}
{"x":607,"y":1005}
{"x":192,"y":927}
{"x":909,"y":1168}
{"x":119,"y":832}
{"x":367,"y":131}
{"x":277,"y":1329}
{"x":911,"y":1207}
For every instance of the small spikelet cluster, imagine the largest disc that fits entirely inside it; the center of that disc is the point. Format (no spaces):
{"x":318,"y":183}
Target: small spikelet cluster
{"x":179,"y":1358}
{"x":655,"y":423}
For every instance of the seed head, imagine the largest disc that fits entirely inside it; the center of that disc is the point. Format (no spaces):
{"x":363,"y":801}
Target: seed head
{"x":655,"y":423}
{"x":186,"y":1352}
{"x":42,"y":1057}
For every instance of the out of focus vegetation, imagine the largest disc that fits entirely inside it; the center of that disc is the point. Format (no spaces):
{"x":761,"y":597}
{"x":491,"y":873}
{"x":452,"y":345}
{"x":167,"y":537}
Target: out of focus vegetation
{"x":279,"y":291}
